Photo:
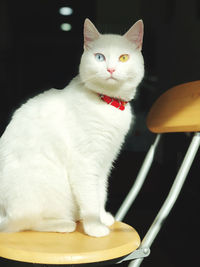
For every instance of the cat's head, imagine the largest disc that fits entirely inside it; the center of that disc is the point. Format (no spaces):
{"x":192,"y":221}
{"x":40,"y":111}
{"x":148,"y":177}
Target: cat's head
{"x":112,"y":64}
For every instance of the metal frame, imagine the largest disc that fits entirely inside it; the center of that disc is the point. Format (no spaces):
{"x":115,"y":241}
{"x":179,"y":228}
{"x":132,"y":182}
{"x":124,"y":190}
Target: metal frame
{"x":168,"y":203}
{"x":133,"y":193}
{"x":137,"y":254}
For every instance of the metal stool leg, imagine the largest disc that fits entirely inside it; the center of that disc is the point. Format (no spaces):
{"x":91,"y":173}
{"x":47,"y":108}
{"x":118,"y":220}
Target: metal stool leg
{"x":138,"y":182}
{"x":171,"y":198}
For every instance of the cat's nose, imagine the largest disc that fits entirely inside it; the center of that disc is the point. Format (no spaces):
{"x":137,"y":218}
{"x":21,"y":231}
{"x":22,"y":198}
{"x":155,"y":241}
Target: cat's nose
{"x":110,"y":70}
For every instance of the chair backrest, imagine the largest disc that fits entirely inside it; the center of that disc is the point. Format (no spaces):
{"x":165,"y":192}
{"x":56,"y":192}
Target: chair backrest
{"x":177,"y":110}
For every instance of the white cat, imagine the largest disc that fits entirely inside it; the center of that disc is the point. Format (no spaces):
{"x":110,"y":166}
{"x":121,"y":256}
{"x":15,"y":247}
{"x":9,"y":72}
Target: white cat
{"x":58,"y":149}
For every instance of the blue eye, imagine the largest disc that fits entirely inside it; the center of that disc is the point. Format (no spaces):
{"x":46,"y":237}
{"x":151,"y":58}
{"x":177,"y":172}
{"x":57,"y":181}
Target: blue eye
{"x":100,"y":57}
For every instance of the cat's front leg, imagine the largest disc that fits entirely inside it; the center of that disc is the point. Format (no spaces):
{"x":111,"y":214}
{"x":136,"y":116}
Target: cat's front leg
{"x":106,"y":217}
{"x":94,"y":227}
{"x":85,"y":185}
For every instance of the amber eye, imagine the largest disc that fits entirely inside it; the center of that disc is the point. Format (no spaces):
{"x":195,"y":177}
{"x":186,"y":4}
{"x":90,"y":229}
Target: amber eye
{"x":124,"y":58}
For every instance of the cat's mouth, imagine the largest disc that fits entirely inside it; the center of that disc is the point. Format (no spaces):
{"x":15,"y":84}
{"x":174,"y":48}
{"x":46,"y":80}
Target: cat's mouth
{"x":111,"y":78}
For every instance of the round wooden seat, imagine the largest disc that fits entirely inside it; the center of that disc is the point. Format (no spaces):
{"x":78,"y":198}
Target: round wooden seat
{"x":177,"y":110}
{"x":69,"y":248}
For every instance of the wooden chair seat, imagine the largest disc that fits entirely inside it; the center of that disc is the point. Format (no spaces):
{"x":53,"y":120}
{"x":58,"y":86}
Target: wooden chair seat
{"x":69,"y":248}
{"x":177,"y":110}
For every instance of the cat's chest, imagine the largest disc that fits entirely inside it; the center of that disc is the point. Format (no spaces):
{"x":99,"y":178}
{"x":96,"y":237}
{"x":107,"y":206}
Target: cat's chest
{"x":100,"y":119}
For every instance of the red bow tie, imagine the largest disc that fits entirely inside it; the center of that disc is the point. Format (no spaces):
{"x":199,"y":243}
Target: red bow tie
{"x":114,"y":101}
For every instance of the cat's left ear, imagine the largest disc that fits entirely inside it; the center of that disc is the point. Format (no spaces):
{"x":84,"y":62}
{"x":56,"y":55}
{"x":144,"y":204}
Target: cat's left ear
{"x":135,"y":34}
{"x":90,"y":33}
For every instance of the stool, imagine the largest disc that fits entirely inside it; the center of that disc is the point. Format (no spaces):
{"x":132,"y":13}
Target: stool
{"x":69,"y":248}
{"x":177,"y":110}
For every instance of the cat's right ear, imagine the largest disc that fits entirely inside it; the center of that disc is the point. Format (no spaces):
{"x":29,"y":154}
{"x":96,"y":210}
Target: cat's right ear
{"x":90,"y":33}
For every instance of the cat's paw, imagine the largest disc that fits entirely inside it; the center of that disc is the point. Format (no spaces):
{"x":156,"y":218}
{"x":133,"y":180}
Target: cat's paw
{"x":68,"y":227}
{"x":107,"y":218}
{"x":96,"y":229}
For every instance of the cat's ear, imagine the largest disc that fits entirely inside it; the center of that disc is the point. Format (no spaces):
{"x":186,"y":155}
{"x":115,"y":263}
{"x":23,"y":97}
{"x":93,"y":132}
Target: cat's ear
{"x":135,"y":34}
{"x":90,"y":33}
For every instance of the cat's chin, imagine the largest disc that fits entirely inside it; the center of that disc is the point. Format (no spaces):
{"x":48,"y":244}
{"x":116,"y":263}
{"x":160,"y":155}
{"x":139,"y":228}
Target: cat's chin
{"x":111,"y":80}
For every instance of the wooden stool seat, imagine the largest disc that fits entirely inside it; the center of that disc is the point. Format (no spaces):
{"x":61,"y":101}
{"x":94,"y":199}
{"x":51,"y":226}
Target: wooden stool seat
{"x":177,"y":110}
{"x":69,"y":248}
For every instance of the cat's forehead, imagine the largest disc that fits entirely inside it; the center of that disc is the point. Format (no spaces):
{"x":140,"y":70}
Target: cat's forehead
{"x":112,"y":43}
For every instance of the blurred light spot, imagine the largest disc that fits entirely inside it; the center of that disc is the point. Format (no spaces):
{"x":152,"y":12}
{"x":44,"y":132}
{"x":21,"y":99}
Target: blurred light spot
{"x":65,"y":11}
{"x":66,"y":27}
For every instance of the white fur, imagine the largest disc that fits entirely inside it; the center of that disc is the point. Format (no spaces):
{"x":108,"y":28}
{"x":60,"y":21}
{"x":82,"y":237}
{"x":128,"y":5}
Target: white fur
{"x":58,"y":149}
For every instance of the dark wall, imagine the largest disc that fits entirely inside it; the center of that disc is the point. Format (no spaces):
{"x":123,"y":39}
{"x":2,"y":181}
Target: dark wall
{"x":35,"y":54}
